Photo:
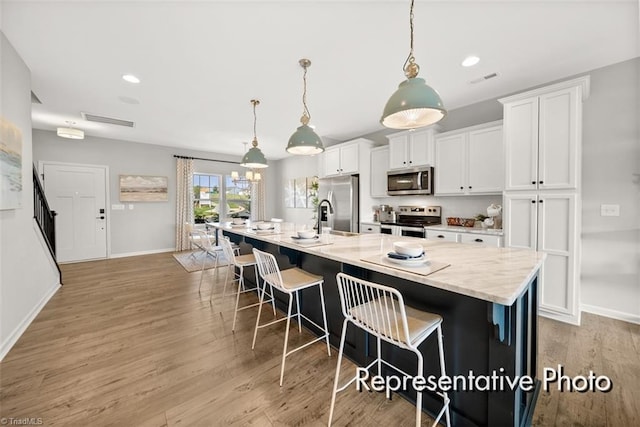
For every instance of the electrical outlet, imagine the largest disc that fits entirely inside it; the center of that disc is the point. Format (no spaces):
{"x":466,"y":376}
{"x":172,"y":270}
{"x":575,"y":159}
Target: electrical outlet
{"x":117,"y":207}
{"x":609,"y":210}
{"x":130,"y":207}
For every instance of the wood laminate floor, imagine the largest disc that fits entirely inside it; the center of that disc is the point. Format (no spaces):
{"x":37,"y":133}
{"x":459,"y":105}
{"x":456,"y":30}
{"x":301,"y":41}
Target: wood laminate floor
{"x":130,"y":342}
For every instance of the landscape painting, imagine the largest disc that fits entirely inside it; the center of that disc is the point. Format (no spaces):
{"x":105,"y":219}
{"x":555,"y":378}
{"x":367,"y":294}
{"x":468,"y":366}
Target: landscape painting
{"x":141,"y":188}
{"x":10,"y":165}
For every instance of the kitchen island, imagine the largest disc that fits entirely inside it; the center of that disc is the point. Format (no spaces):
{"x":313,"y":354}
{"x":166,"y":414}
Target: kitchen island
{"x":487,"y":297}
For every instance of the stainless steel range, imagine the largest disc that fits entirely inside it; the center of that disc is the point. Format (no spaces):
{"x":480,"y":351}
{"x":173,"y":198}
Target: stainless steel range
{"x":411,"y":220}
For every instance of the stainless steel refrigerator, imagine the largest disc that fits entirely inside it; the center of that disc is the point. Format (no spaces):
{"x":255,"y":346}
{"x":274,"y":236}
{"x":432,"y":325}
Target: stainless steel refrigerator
{"x":344,"y":195}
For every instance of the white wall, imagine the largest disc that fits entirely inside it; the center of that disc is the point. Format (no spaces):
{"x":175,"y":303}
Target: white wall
{"x":150,"y":226}
{"x":610,"y":272}
{"x":28,"y":276}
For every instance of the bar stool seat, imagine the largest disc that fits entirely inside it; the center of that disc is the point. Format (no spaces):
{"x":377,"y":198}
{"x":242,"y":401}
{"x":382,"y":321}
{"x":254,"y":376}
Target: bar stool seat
{"x":419,"y":323}
{"x":380,"y":311}
{"x":240,"y":262}
{"x":289,"y":281}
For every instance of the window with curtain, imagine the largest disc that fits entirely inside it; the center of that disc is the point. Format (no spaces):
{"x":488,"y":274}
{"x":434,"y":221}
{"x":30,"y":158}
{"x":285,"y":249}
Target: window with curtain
{"x":218,"y":196}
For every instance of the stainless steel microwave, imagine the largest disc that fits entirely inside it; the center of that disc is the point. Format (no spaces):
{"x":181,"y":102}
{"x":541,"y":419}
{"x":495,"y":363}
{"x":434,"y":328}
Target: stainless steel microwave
{"x":410,"y":181}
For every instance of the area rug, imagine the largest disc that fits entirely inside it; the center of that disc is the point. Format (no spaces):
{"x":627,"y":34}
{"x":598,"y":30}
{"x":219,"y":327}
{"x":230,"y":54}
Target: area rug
{"x":192,"y":260}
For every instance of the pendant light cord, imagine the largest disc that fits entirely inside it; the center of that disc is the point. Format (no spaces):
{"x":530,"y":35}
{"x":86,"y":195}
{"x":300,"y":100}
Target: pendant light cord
{"x":409,"y":67}
{"x":255,"y":102}
{"x":305,"y":112}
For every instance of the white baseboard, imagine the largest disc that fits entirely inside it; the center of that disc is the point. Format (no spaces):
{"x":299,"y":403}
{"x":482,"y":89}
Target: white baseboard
{"x":614,"y":314}
{"x":566,"y":318}
{"x":19,"y":330}
{"x":154,"y":251}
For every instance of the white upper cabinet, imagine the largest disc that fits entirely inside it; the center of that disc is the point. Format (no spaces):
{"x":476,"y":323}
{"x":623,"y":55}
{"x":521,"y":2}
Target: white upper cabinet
{"x":412,"y":148}
{"x":342,"y":159}
{"x":379,"y":166}
{"x":542,"y":134}
{"x":470,"y":161}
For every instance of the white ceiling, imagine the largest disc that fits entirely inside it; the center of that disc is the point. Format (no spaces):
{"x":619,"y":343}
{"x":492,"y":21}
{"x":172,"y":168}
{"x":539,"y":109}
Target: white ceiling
{"x":201,"y":62}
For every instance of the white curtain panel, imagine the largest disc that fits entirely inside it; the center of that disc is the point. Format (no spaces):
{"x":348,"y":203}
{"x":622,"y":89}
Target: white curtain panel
{"x":184,"y":201}
{"x":258,"y":199}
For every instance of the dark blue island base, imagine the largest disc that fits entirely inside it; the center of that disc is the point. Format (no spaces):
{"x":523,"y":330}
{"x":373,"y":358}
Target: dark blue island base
{"x":480,"y":337}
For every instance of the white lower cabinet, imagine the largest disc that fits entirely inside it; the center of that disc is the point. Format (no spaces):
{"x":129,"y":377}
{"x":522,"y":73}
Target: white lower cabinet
{"x":446,"y":236}
{"x":481,"y":239}
{"x":369,"y":228}
{"x":548,"y":222}
{"x":464,"y":237}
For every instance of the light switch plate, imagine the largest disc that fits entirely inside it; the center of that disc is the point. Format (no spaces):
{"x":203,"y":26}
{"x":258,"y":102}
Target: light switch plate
{"x":117,"y":207}
{"x":609,"y":210}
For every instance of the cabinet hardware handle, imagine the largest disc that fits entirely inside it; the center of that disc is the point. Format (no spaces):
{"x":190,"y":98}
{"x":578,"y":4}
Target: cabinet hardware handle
{"x":541,"y":201}
{"x":541,"y":182}
{"x":533,"y":201}
{"x":404,"y":163}
{"x":479,"y":240}
{"x":99,"y":217}
{"x":462,"y":188}
{"x":533,"y":182}
{"x":469,"y":187}
{"x":440,"y":236}
{"x":410,"y":162}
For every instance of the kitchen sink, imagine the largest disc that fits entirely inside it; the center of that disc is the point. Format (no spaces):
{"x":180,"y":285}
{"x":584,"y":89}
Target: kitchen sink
{"x":343,"y":233}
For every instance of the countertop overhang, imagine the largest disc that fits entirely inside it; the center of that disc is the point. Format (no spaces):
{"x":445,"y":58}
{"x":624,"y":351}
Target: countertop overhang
{"x":497,"y":275}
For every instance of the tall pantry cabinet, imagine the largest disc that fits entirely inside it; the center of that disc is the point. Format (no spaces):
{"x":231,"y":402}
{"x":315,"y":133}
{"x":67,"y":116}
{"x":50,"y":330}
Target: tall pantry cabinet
{"x":542,"y":140}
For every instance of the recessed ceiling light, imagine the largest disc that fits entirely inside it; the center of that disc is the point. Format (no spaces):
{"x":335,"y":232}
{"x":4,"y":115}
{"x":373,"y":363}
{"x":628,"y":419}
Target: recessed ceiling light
{"x":470,"y":61}
{"x":130,"y":78}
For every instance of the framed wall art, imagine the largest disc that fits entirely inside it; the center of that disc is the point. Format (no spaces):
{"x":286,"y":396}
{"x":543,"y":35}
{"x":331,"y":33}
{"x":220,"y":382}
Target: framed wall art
{"x":144,"y":188}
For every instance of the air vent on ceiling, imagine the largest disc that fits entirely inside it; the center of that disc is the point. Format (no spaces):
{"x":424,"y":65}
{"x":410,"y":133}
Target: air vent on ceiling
{"x":484,"y":78}
{"x":35,"y":99}
{"x":108,"y":120}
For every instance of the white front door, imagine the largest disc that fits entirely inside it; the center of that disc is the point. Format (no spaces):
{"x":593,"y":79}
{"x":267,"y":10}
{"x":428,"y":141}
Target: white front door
{"x":78,"y":195}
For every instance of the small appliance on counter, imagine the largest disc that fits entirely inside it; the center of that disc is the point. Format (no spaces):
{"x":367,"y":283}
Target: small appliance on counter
{"x":386,"y":214}
{"x":494,"y":220}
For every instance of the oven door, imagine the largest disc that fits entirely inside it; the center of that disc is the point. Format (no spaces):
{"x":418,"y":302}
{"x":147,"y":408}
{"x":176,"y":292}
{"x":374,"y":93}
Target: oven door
{"x":412,"y":232}
{"x":386,"y":229}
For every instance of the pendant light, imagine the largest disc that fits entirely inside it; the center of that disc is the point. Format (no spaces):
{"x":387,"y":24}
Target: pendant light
{"x":414,"y":104}
{"x":70,"y":132}
{"x":254,"y":158}
{"x":304,"y":140}
{"x":250,"y":177}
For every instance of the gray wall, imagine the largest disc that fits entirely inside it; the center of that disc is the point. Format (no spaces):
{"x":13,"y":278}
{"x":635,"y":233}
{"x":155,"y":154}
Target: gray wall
{"x":610,"y":158}
{"x":28,"y":276}
{"x":149,"y":226}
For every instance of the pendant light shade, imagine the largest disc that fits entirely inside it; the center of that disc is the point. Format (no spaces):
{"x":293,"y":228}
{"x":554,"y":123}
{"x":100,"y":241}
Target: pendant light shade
{"x":254,"y":158}
{"x":415,"y":104}
{"x":304,"y":141}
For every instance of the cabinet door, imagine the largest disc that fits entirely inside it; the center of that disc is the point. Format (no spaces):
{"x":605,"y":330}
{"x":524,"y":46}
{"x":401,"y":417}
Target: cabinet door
{"x":421,"y":148}
{"x":369,"y":228}
{"x":521,"y":144}
{"x":485,"y":158}
{"x":556,"y":237}
{"x":379,"y":166}
{"x":520,"y":220}
{"x":331,"y":162}
{"x":398,"y":151}
{"x":559,"y":133}
{"x":449,"y":168}
{"x":445,"y":236}
{"x":481,"y":239}
{"x":349,"y":163}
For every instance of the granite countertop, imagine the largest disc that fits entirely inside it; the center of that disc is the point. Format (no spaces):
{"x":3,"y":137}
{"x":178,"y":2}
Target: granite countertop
{"x":492,"y":274}
{"x":460,"y":229}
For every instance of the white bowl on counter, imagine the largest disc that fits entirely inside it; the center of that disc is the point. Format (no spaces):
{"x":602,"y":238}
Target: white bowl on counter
{"x":264,"y":225}
{"x":237,"y":221}
{"x":408,"y":248}
{"x":307,"y":234}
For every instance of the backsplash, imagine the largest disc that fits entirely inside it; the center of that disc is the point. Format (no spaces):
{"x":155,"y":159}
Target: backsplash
{"x":452,"y":206}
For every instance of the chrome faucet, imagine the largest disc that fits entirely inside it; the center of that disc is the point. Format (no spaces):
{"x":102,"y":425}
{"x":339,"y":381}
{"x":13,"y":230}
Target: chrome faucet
{"x":319,"y":215}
